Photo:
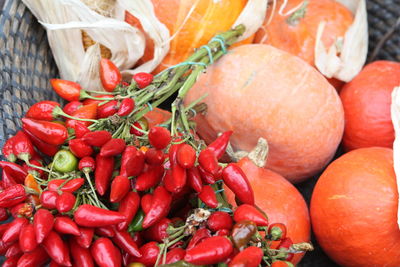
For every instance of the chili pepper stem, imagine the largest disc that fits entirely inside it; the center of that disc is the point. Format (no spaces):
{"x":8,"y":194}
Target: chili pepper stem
{"x":85,"y":95}
{"x":92,"y":188}
{"x":59,"y":111}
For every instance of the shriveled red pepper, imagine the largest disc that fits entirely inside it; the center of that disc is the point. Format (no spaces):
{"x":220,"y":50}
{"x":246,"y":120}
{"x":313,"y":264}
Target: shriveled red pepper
{"x":154,"y":156}
{"x":145,"y":202}
{"x":72,"y":106}
{"x":22,"y":146}
{"x":68,"y":90}
{"x":27,"y":238}
{"x":126,"y":107}
{"x":108,"y":109}
{"x":105,"y":253}
{"x":194,"y":179}
{"x":65,"y":202}
{"x":219,"y":220}
{"x":159,"y":207}
{"x":277,"y":231}
{"x":284,"y":246}
{"x":207,"y":177}
{"x":42,"y":110}
{"x":70,"y":186}
{"x":86,"y":237}
{"x":218,"y":146}
{"x":120,"y":186}
{"x":198,"y":237}
{"x":38,"y":257}
{"x":128,"y":207}
{"x":203,"y":255}
{"x":8,"y":150}
{"x":43,"y":222}
{"x":42,"y":146}
{"x":158,"y":231}
{"x":110,"y":75}
{"x":125,"y":241}
{"x":208,"y":196}
{"x":159,"y":137}
{"x":113,"y":147}
{"x":208,"y":161}
{"x":92,"y":216}
{"x":174,"y":255}
{"x":15,"y":170}
{"x":12,"y":232}
{"x":149,"y":179}
{"x":186,"y":156}
{"x":106,"y":231}
{"x":149,"y":253}
{"x":97,"y":138}
{"x":48,"y":199}
{"x":249,"y":257}
{"x":57,"y":249}
{"x":65,"y":225}
{"x":103,"y":173}
{"x":236,"y":180}
{"x":79,"y":148}
{"x":7,"y":180}
{"x":22,"y":209}
{"x":143,"y":79}
{"x":247,"y":212}
{"x":12,"y":195}
{"x":132,"y":162}
{"x":13,"y":251}
{"x":47,"y":131}
{"x":80,"y":255}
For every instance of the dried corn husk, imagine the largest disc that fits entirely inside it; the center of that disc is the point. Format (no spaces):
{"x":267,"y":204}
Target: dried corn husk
{"x":344,"y":59}
{"x":252,"y":17}
{"x":395,"y":113}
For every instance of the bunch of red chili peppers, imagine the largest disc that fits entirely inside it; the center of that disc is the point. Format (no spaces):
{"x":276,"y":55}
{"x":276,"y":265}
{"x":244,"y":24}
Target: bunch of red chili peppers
{"x":91,"y":184}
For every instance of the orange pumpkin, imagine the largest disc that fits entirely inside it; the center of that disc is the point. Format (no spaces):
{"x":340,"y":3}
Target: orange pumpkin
{"x":279,"y":199}
{"x":260,"y":91}
{"x":354,"y":209}
{"x":366,"y":102}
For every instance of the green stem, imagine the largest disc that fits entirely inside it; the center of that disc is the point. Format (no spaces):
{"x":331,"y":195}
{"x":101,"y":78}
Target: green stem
{"x":92,"y":188}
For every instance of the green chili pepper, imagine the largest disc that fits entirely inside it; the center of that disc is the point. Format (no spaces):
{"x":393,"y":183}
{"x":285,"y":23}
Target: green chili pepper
{"x":65,"y":161}
{"x":137,"y":223}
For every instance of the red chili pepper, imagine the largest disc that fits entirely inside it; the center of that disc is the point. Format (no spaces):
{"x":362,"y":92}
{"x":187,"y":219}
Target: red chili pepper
{"x":23,"y":147}
{"x":285,"y":245}
{"x":105,"y":253}
{"x":7,"y":180}
{"x":149,"y":253}
{"x":27,"y":238}
{"x":134,"y":131}
{"x":42,"y":146}
{"x":65,"y":202}
{"x":70,"y":186}
{"x":16,"y":171}
{"x":143,"y":79}
{"x":174,"y":255}
{"x":125,"y":241}
{"x":3,"y":214}
{"x":43,"y":222}
{"x":12,"y":195}
{"x":8,"y":151}
{"x":154,"y":156}
{"x":194,"y":179}
{"x":84,"y":112}
{"x":42,"y":110}
{"x":282,"y":264}
{"x":146,"y":202}
{"x":79,"y":148}
{"x":92,"y":216}
{"x":113,"y":147}
{"x":277,"y":231}
{"x":57,"y":249}
{"x":186,"y":156}
{"x":110,"y":75}
{"x":218,"y":146}
{"x":22,"y":209}
{"x":106,"y":231}
{"x":86,"y":237}
{"x":159,"y":137}
{"x":168,"y":181}
{"x":48,"y":199}
{"x":237,"y":181}
{"x":203,"y":255}
{"x":159,"y":207}
{"x":132,"y":162}
{"x":54,"y":264}
{"x":12,"y":233}
{"x":13,"y":251}
{"x":65,"y":225}
{"x":207,"y":178}
{"x":120,"y":186}
{"x":71,"y":107}
{"x":33,"y":170}
{"x":126,"y":107}
{"x":38,"y":257}
{"x":80,"y":129}
{"x":149,"y":179}
{"x":223,"y":232}
{"x":103,"y":173}
{"x":198,"y":237}
{"x":219,"y":220}
{"x":178,"y":172}
{"x":158,"y":231}
{"x":87,"y":165}
{"x":208,"y":196}
{"x":97,"y":138}
{"x":249,"y":257}
{"x":68,"y":90}
{"x":11,"y":262}
{"x":247,"y":212}
{"x":51,"y":132}
{"x":208,"y":161}
{"x":108,"y":109}
{"x":80,"y":255}
{"x":4,"y":246}
{"x":128,"y":207}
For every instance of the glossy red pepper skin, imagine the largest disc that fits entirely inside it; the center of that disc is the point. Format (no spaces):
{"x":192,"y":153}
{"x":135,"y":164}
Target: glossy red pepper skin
{"x":128,"y":207}
{"x":105,"y":253}
{"x":159,"y":137}
{"x":277,"y":231}
{"x":208,"y":196}
{"x":208,"y":161}
{"x":103,"y":173}
{"x":65,"y":225}
{"x":72,"y":106}
{"x":247,"y":212}
{"x":159,"y":207}
{"x":8,"y":151}
{"x":84,"y":112}
{"x":12,"y":195}
{"x":11,"y":261}
{"x":91,"y":216}
{"x":87,"y":165}
{"x":68,"y":90}
{"x":3,"y":214}
{"x":33,"y":170}
{"x":12,"y":233}
{"x":79,"y":148}
{"x":80,"y":129}
{"x":108,"y":109}
{"x":168,"y":181}
{"x":149,"y":253}
{"x":4,"y":246}
{"x":219,"y":220}
{"x":22,"y":209}
{"x":145,"y":202}
{"x":198,"y":237}
{"x":194,"y":179}
{"x":110,"y":75}
{"x":65,"y":202}
{"x":132,"y":162}
{"x":57,"y":249}
{"x":249,"y":257}
{"x":42,"y":146}
{"x":13,"y":251}
{"x":126,"y":107}
{"x":218,"y":146}
{"x":154,"y":156}
{"x":143,"y":79}
{"x":282,"y":264}
{"x":97,"y":138}
{"x":174,"y":255}
{"x":27,"y":238}
{"x":186,"y":156}
{"x":48,"y":199}
{"x":285,"y":245}
{"x":236,"y":180}
{"x":43,"y":222}
{"x":223,"y":232}
{"x":80,"y":255}
{"x":203,"y":255}
{"x":23,"y":147}
{"x":179,"y":176}
{"x":42,"y":110}
{"x":149,"y":179}
{"x":35,"y":258}
{"x":125,"y":241}
{"x":7,"y":180}
{"x":158,"y":231}
{"x":16,"y":171}
{"x":113,"y":147}
{"x":120,"y":186}
{"x":207,"y":177}
{"x":106,"y":231}
{"x":86,"y":237}
{"x":134,"y":131}
{"x":47,"y":131}
{"x":70,"y":186}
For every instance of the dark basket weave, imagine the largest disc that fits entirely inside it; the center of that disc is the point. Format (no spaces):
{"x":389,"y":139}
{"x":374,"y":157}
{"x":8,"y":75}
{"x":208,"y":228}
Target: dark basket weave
{"x":27,"y":64}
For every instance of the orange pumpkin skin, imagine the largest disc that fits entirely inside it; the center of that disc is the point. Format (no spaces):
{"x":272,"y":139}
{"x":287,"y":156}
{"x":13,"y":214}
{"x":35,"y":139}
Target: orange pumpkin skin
{"x":354,"y":209}
{"x":299,"y":38}
{"x":260,"y":91}
{"x":366,"y":102}
{"x":279,"y":199}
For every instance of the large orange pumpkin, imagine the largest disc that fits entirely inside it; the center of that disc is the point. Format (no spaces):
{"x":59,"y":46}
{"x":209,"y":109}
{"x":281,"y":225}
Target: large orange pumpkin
{"x":366,"y":102}
{"x":279,"y":199}
{"x":260,"y":91}
{"x":354,"y":209}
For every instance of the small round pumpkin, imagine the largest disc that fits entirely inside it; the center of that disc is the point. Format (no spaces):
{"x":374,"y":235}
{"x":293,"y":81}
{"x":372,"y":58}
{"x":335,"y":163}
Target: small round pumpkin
{"x":354,"y":209}
{"x":366,"y":102}
{"x":260,"y":91}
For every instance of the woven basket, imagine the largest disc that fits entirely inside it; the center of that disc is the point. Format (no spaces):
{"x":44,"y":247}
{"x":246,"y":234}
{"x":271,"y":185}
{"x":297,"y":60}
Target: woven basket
{"x":27,"y":64}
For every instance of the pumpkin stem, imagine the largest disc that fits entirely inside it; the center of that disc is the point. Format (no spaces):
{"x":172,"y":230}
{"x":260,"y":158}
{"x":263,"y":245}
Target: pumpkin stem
{"x":258,"y":155}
